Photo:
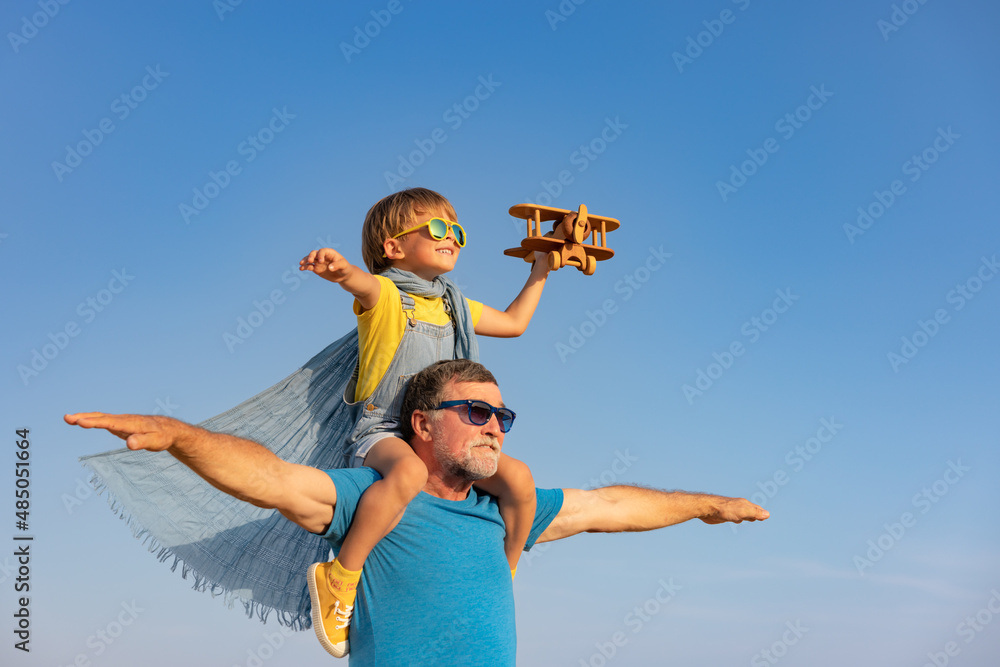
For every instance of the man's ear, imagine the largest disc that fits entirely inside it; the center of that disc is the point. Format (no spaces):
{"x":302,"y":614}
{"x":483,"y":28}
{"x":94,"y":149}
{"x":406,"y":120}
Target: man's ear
{"x":421,"y":424}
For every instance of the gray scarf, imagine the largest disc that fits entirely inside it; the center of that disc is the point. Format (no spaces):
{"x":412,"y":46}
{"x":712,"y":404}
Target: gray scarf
{"x":466,"y":345}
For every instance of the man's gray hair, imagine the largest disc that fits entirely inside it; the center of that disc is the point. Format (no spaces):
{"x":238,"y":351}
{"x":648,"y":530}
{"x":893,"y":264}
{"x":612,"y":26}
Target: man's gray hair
{"x":426,"y":388}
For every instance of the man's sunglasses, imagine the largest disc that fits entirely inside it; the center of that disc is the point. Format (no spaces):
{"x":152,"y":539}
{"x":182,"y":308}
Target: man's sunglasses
{"x":439,"y":227}
{"x":480,"y":412}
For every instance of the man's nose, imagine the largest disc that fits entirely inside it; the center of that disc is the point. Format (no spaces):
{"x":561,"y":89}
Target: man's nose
{"x":492,"y":427}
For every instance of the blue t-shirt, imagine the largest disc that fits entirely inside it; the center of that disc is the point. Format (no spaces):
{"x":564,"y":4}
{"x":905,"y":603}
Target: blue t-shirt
{"x":437,"y":589}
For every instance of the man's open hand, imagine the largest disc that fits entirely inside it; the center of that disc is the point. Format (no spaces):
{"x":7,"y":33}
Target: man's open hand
{"x":154,"y":433}
{"x":736,"y":510}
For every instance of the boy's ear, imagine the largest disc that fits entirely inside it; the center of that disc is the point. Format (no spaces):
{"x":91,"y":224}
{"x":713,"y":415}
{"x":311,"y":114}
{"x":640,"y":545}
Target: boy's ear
{"x":393,"y":249}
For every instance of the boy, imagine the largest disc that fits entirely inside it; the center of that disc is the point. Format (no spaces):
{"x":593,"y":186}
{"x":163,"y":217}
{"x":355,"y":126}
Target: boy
{"x":410,"y":316}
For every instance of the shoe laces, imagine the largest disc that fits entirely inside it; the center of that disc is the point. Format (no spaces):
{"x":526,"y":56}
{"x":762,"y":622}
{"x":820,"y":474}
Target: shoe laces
{"x":342,"y":615}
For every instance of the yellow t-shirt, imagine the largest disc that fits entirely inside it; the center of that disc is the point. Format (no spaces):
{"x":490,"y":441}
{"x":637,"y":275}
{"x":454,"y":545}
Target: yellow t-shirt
{"x":381,"y":328}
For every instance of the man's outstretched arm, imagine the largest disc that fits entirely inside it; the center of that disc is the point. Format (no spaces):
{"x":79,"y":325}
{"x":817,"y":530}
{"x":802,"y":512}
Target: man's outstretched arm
{"x":241,"y":468}
{"x":616,"y":509}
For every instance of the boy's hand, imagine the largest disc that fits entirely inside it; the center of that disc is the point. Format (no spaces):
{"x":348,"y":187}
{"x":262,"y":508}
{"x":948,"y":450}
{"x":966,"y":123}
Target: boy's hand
{"x":327,"y":263}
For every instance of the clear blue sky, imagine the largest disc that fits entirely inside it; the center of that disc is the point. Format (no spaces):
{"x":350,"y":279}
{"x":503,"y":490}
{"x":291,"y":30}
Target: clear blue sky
{"x":811,"y":185}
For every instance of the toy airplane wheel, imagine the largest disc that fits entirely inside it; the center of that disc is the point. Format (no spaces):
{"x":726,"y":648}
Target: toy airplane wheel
{"x":591,"y":266}
{"x":555,"y":260}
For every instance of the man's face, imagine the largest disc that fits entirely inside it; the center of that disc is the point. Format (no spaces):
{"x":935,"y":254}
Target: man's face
{"x":463,"y":449}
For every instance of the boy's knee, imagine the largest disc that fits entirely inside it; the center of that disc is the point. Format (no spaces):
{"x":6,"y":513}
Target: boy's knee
{"x":520,"y":472}
{"x":521,"y":480}
{"x":410,"y":474}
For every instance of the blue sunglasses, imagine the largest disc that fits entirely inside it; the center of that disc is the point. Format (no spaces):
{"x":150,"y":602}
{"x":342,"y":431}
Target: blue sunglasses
{"x":480,"y":412}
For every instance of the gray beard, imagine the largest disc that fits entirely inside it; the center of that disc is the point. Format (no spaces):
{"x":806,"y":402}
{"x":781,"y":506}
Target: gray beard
{"x":469,"y":467}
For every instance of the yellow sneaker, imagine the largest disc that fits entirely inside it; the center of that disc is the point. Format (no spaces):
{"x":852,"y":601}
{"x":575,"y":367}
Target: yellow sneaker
{"x":332,"y":590}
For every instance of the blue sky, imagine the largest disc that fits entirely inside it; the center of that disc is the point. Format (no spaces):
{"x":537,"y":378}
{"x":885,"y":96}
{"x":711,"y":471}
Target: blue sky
{"x":810,"y":186}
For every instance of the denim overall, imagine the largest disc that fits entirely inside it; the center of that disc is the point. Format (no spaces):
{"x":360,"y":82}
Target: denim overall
{"x":422,"y":344}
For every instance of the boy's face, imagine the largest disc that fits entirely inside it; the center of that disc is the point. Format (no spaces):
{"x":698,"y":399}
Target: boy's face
{"x":421,"y":254}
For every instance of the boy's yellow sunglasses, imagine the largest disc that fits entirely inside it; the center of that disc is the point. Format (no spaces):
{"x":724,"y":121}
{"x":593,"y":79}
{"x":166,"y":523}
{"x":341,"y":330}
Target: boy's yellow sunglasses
{"x":439,"y":228}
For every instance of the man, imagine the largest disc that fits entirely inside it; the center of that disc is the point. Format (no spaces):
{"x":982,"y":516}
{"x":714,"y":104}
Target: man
{"x":437,"y":589}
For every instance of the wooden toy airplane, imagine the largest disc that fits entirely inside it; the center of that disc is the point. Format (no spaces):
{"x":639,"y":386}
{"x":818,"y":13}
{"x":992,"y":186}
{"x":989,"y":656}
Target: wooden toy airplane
{"x":565,"y":243}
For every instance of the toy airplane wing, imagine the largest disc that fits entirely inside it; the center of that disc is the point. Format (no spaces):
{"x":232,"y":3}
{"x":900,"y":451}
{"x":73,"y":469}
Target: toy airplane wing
{"x":570,"y":250}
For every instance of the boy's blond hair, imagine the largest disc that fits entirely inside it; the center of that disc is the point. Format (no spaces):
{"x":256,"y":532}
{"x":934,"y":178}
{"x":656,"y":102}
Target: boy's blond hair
{"x":391,"y":215}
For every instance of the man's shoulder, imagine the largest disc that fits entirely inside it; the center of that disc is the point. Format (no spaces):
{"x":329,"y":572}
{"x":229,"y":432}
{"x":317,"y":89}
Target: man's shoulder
{"x":350,"y":484}
{"x":352,"y":479}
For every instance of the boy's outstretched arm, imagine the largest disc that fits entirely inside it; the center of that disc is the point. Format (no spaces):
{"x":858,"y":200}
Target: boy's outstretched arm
{"x":616,"y":509}
{"x":330,"y":264}
{"x":241,"y":468}
{"x":514,"y":321}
